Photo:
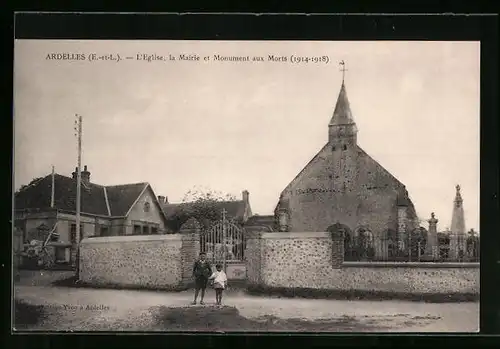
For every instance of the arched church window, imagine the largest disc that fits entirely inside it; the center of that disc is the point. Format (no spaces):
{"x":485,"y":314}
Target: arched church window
{"x":344,"y":147}
{"x":146,"y":207}
{"x":333,"y":148}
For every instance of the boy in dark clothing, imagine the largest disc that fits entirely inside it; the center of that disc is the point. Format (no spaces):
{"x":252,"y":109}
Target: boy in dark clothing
{"x":201,"y":272}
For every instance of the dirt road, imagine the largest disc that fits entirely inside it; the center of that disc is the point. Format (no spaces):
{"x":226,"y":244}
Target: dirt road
{"x":84,"y":309}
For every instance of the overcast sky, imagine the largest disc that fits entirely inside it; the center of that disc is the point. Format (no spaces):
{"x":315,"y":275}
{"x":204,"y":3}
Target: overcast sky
{"x":231,"y":126}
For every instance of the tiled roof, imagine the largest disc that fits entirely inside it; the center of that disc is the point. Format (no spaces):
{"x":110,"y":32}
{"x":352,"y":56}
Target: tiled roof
{"x":261,"y":220}
{"x":122,"y":197}
{"x":38,"y":195}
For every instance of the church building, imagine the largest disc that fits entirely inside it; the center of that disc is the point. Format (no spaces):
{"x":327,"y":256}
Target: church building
{"x":343,"y":186}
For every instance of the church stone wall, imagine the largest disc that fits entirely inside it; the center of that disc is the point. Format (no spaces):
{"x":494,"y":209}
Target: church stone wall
{"x":317,"y":198}
{"x":345,"y":186}
{"x":147,"y":261}
{"x":313,"y":261}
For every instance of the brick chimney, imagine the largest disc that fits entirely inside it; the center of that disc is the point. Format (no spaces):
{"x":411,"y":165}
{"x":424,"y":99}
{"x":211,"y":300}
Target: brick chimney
{"x":161,"y":199}
{"x":246,"y":202}
{"x":85,"y":174}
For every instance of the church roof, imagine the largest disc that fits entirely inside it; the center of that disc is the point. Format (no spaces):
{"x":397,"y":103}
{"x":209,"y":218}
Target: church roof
{"x":342,"y":114}
{"x":403,"y":199}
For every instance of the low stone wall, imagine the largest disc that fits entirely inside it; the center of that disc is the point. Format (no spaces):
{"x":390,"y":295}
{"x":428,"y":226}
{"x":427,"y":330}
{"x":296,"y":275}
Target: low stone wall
{"x":314,"y":261}
{"x":144,"y":261}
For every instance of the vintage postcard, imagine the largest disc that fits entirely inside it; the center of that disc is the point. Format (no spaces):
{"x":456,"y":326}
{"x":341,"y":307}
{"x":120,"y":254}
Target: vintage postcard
{"x":257,"y":186}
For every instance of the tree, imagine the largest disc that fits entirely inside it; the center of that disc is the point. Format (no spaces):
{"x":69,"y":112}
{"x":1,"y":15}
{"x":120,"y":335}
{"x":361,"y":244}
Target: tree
{"x":203,"y":204}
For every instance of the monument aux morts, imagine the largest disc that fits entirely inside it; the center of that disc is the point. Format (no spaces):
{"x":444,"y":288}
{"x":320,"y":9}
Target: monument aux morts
{"x":343,"y":185}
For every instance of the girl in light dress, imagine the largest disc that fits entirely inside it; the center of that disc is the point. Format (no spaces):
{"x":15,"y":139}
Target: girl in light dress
{"x":220,"y":283}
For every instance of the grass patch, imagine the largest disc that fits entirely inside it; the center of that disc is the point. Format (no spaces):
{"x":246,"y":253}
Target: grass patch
{"x":74,"y":282}
{"x":228,"y":319}
{"x":27,"y":315}
{"x":361,"y":295}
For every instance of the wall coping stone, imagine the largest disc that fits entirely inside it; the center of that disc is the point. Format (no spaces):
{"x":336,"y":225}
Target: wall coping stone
{"x":295,"y":235}
{"x":131,"y":238}
{"x":409,"y":265}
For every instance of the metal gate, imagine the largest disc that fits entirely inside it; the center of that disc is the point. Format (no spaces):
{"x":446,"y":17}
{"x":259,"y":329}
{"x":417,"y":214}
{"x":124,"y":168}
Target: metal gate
{"x":224,"y":243}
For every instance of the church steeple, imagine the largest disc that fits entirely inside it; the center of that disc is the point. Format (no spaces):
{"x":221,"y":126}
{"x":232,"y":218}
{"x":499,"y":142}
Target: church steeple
{"x":342,"y":129}
{"x":342,"y":114}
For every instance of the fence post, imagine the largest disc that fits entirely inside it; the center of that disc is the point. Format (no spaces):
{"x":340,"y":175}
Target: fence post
{"x":409,"y":247}
{"x":224,"y":238}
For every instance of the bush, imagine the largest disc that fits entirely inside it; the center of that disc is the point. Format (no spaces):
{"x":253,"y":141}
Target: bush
{"x":27,"y":315}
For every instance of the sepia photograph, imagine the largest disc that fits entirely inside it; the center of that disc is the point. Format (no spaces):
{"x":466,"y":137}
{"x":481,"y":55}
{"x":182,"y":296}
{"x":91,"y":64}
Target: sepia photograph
{"x":246,"y":186}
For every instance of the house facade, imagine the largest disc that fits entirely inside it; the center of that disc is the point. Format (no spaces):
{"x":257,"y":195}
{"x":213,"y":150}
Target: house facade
{"x":128,"y":209}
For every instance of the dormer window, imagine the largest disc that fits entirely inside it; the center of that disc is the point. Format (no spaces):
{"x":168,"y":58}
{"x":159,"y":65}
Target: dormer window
{"x":146,"y":207}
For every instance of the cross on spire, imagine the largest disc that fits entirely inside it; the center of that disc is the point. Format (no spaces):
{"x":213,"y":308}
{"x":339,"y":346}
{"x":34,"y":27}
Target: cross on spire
{"x":343,"y":70}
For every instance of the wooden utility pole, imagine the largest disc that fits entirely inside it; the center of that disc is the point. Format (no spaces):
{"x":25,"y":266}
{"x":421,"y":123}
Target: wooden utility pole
{"x":410,"y":247}
{"x":78,"y":129}
{"x":52,"y":193}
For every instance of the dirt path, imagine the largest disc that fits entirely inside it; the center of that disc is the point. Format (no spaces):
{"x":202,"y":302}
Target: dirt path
{"x":83,"y":309}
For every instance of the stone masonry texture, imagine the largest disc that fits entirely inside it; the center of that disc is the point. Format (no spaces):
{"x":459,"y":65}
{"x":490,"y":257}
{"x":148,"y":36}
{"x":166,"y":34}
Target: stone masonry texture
{"x":150,"y":261}
{"x":345,"y":186}
{"x":305,"y":260}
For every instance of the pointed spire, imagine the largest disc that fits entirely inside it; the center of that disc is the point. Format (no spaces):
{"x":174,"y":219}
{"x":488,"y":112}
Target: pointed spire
{"x":342,"y":130}
{"x":457,"y":218}
{"x":342,"y":114}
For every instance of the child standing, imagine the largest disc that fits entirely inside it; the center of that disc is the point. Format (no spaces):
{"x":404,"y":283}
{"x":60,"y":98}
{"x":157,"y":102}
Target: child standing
{"x":220,"y":283}
{"x":201,"y":272}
